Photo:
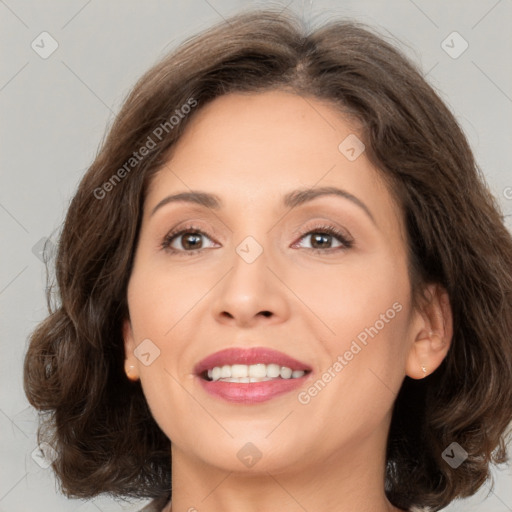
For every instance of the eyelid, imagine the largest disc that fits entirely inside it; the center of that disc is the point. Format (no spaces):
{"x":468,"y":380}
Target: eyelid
{"x":320,"y":224}
{"x":198,"y":224}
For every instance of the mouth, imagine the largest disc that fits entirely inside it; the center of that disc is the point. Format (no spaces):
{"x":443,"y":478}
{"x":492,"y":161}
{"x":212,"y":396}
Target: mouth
{"x":250,"y":375}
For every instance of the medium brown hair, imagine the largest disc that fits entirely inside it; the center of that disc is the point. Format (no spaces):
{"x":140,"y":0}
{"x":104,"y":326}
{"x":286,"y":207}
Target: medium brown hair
{"x":99,"y":422}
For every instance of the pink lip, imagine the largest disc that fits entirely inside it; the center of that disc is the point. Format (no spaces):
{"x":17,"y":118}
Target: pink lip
{"x":252,"y":392}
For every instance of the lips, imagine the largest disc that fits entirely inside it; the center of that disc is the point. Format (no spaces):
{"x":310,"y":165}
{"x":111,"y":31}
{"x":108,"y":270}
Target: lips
{"x":249,"y":356}
{"x":251,"y":392}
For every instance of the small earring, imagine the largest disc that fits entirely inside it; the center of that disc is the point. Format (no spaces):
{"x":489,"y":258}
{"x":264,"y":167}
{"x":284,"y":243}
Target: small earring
{"x":131,"y":374}
{"x":424,"y":370}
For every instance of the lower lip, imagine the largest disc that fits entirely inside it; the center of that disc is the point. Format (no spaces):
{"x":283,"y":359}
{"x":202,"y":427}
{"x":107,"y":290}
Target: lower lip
{"x":251,"y":392}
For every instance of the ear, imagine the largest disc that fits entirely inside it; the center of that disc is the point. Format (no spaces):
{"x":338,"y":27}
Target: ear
{"x":432,"y":334}
{"x":131,"y":366}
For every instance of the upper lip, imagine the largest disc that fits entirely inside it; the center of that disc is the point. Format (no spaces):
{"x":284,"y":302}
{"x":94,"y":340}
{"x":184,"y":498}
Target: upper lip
{"x":248,"y":356}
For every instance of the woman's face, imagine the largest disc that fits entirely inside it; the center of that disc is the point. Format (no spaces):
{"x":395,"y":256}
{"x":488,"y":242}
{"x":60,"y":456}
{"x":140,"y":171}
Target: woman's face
{"x":266,"y":272}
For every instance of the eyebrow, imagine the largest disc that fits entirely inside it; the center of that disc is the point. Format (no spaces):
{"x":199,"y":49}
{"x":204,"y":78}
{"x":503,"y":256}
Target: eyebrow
{"x":290,"y":200}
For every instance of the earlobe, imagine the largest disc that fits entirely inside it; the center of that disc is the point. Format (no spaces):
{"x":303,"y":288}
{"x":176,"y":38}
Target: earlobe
{"x":426,"y":355}
{"x":131,"y":371}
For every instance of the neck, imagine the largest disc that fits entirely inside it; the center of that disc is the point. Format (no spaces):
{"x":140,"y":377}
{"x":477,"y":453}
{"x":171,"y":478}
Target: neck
{"x":351,"y":478}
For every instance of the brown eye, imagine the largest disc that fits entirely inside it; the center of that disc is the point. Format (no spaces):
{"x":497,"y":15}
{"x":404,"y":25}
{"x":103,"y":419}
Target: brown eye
{"x":321,"y":240}
{"x":325,"y":238}
{"x":191,"y":240}
{"x":187,"y":240}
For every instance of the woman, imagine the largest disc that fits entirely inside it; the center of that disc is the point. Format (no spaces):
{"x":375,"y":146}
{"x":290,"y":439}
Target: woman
{"x":284,"y":285}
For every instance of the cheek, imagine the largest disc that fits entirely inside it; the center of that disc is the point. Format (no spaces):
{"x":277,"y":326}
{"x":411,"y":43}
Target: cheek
{"x":361,"y":314}
{"x":351,"y":296}
{"x":162,"y":303}
{"x":160,"y":298}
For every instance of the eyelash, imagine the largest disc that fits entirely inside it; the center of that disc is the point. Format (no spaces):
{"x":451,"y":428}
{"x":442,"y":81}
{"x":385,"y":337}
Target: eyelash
{"x":324,"y":229}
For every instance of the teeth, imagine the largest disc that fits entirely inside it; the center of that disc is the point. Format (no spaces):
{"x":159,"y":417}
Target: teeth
{"x":238,"y":370}
{"x":286,"y":373}
{"x":258,"y":370}
{"x":253,"y":373}
{"x":273,"y":370}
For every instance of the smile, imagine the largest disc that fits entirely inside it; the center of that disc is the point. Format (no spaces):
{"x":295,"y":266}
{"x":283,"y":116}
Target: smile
{"x":251,"y":375}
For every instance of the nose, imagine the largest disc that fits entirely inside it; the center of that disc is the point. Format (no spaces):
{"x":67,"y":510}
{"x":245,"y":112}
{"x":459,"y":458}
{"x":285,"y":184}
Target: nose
{"x":251,"y":294}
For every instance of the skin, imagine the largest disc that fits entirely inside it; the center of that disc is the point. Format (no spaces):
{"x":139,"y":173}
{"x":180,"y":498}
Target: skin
{"x":328,"y":454}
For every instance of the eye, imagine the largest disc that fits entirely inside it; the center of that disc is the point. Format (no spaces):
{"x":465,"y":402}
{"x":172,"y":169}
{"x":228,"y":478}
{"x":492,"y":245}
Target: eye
{"x":326,"y":239}
{"x":187,"y":240}
{"x":190,"y":240}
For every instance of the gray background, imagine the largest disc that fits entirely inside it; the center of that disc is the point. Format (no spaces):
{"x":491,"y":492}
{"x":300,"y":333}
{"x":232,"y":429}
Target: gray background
{"x":55,"y":112}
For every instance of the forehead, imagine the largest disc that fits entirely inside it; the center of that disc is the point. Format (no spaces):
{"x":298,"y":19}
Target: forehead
{"x":251,"y":148}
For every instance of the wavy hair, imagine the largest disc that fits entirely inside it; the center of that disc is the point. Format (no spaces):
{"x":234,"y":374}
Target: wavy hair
{"x":99,"y":422}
